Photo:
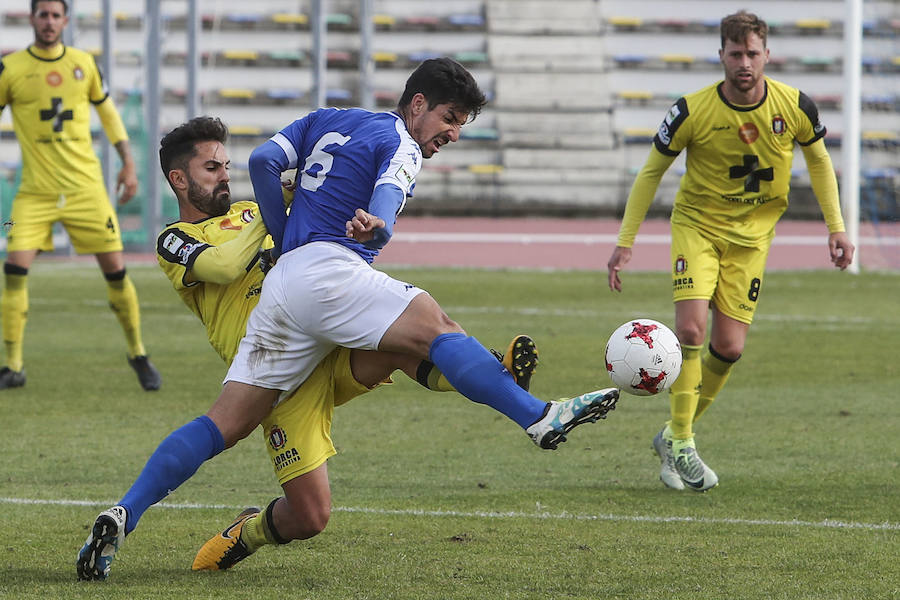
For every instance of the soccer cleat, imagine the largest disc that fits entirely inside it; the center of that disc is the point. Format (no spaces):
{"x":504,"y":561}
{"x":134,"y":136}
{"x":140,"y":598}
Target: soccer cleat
{"x":521,"y":359}
{"x":561,"y":417}
{"x":226,"y":549}
{"x":147,"y":374}
{"x":11,"y":379}
{"x":98,"y":552}
{"x":692,"y":470}
{"x":667,"y":472}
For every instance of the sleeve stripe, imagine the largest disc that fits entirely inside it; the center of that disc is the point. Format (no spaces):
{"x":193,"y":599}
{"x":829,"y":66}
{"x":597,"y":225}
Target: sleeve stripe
{"x":288,"y":148}
{"x":101,"y":100}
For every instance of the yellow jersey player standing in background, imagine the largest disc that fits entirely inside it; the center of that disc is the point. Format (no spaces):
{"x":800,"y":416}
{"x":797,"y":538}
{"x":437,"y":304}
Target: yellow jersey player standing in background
{"x":50,"y":88}
{"x":739,"y":135}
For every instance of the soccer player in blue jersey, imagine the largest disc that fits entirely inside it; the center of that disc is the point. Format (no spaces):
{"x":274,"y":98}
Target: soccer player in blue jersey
{"x":355,"y":170}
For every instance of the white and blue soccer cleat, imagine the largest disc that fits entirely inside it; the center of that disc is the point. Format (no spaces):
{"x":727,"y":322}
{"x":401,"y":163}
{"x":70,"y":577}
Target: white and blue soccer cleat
{"x":98,"y":552}
{"x":668,"y":474}
{"x":693,"y":471}
{"x":561,"y":417}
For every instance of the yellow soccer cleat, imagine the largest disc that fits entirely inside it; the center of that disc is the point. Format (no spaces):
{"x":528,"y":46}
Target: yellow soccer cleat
{"x":521,"y":359}
{"x":225,"y":549}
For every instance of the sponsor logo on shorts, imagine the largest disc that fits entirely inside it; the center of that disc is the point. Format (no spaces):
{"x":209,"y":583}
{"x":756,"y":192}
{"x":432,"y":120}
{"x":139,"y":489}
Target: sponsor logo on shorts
{"x":680,"y":265}
{"x":277,"y":437}
{"x":286,"y":458}
{"x":743,"y":306}
{"x":253,"y":290}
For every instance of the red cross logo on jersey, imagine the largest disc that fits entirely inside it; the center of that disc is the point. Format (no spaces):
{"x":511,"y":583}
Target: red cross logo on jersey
{"x":642,"y":332}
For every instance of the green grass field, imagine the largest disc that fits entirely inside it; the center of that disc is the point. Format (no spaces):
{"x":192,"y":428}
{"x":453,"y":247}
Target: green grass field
{"x":437,"y":497}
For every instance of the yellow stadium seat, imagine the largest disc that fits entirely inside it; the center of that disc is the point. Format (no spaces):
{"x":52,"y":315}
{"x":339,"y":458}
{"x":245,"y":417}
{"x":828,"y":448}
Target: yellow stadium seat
{"x":486,"y":169}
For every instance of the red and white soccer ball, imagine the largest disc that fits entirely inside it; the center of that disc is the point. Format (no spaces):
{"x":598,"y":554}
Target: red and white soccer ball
{"x":643,"y":357}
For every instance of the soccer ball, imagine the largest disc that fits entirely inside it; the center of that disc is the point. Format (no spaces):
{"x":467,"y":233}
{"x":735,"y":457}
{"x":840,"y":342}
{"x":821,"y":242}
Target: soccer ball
{"x":643,"y":357}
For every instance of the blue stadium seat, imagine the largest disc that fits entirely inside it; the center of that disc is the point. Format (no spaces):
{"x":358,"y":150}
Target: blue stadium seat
{"x":629,"y":61}
{"x":417,"y":57}
{"x":466,"y":21}
{"x":283,"y":95}
{"x":339,"y":96}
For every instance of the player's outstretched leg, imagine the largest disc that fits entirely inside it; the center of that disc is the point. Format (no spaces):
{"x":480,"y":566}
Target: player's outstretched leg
{"x":668,"y":474}
{"x":693,"y":471}
{"x":561,"y":417}
{"x":521,"y":359}
{"x":225,"y":549}
{"x":104,"y":540}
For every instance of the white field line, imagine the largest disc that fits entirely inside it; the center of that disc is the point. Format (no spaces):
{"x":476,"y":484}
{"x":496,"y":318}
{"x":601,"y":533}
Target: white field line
{"x":538,"y":516}
{"x":523,"y":311}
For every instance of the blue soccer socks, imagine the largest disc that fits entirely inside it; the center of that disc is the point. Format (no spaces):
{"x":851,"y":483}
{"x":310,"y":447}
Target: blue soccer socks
{"x":478,"y":376}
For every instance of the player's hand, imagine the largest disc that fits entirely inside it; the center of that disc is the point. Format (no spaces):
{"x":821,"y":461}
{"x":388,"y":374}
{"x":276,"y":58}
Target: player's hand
{"x":841,"y":249}
{"x":126,"y":183}
{"x":361,"y":227}
{"x":620,"y":256}
{"x":266,"y":260}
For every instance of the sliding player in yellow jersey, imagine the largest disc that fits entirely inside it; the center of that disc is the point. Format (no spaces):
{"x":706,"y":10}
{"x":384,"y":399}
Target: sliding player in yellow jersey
{"x":739,"y":135}
{"x":213,"y":255}
{"x":50,"y":89}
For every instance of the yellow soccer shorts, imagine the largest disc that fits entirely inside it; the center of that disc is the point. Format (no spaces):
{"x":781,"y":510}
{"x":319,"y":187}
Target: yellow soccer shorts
{"x":298,"y":430}
{"x":709,"y":268}
{"x":89,"y":219}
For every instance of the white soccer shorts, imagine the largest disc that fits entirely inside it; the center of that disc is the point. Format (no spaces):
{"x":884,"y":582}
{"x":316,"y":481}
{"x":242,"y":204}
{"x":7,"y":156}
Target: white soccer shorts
{"x":316,"y":297}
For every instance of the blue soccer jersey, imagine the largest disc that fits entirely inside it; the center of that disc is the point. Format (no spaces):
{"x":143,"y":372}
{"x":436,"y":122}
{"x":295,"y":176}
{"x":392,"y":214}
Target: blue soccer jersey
{"x":342,"y":156}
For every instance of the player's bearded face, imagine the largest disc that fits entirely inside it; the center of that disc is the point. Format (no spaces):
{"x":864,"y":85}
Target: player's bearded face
{"x":214,"y":202}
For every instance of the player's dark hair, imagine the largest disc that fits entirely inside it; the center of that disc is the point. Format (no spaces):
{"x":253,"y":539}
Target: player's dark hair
{"x":741,"y":24}
{"x":65,"y":4}
{"x":179,"y":146}
{"x":444,"y":81}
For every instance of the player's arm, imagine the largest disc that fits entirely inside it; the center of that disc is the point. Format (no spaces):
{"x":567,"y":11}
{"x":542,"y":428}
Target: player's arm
{"x":643,"y":190}
{"x":267,"y":163}
{"x":203,"y":262}
{"x":825,"y":187}
{"x":374,"y":228}
{"x":126,"y":181}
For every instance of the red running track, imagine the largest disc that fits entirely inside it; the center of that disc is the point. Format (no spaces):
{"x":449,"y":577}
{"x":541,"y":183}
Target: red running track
{"x":587,"y":244}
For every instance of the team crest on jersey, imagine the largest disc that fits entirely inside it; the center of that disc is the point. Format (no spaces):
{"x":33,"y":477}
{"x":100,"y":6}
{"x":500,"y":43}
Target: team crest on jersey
{"x":247,"y":215}
{"x":680,"y":265}
{"x":778,"y":125}
{"x":748,"y":133}
{"x":54,"y":79}
{"x":277,"y":437}
{"x":78,"y":74}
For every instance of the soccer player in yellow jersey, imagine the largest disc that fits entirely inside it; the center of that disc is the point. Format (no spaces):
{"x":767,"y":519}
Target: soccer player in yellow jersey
{"x":739,"y":135}
{"x":211,"y":255}
{"x":50,"y":89}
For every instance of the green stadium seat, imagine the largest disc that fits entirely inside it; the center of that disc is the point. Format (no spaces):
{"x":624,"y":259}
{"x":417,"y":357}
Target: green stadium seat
{"x":471,"y":58}
{"x":476,"y":133}
{"x":288,"y":58}
{"x":339,"y":21}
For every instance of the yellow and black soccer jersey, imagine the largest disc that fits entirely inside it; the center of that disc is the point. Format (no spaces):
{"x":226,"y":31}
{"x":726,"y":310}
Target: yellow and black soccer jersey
{"x":738,"y":159}
{"x":222,"y":307}
{"x":50,"y":93}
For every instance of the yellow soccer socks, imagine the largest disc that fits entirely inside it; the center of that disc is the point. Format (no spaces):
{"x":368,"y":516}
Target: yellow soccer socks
{"x":684,"y":392}
{"x":123,"y":301}
{"x":259,"y":530}
{"x":14,"y":313}
{"x":715,"y":370}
